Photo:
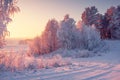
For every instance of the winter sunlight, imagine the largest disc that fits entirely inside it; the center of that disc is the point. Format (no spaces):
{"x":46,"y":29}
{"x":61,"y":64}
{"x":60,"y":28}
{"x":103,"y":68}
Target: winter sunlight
{"x":59,"y":40}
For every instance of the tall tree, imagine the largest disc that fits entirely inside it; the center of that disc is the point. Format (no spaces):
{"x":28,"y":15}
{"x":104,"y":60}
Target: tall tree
{"x":107,"y":21}
{"x":49,"y":36}
{"x":115,"y":24}
{"x":7,"y":8}
{"x":90,"y":16}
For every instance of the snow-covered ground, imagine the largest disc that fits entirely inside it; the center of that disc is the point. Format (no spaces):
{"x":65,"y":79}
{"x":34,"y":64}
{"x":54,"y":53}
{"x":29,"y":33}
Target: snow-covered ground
{"x":106,"y":66}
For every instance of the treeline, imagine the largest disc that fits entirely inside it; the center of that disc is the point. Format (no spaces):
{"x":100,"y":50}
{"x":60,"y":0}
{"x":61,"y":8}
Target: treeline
{"x":86,"y":34}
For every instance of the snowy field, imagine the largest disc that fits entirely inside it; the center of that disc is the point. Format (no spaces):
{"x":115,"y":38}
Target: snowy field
{"x":105,"y":66}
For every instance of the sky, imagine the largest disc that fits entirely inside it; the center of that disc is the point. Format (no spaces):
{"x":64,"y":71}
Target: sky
{"x":34,"y":14}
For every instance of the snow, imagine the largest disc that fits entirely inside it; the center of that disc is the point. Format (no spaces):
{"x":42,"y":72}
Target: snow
{"x":105,"y":66}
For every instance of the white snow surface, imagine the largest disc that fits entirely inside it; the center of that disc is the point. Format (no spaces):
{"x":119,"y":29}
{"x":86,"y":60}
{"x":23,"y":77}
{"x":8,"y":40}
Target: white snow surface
{"x":105,"y":66}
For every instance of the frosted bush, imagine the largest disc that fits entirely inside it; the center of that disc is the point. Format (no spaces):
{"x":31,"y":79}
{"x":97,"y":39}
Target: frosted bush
{"x":90,"y":38}
{"x":35,"y":46}
{"x":14,"y":61}
{"x":74,"y":53}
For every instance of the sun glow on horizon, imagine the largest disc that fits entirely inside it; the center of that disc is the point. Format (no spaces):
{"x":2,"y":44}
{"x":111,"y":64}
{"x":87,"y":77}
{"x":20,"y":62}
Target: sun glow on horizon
{"x":23,"y":26}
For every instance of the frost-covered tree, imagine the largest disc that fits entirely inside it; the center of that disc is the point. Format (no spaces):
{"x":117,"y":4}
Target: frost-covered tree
{"x":48,"y":41}
{"x":66,"y":33}
{"x":50,"y":36}
{"x":115,"y":24}
{"x":107,"y":22}
{"x":7,"y":8}
{"x":90,"y":16}
{"x":103,"y":30}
